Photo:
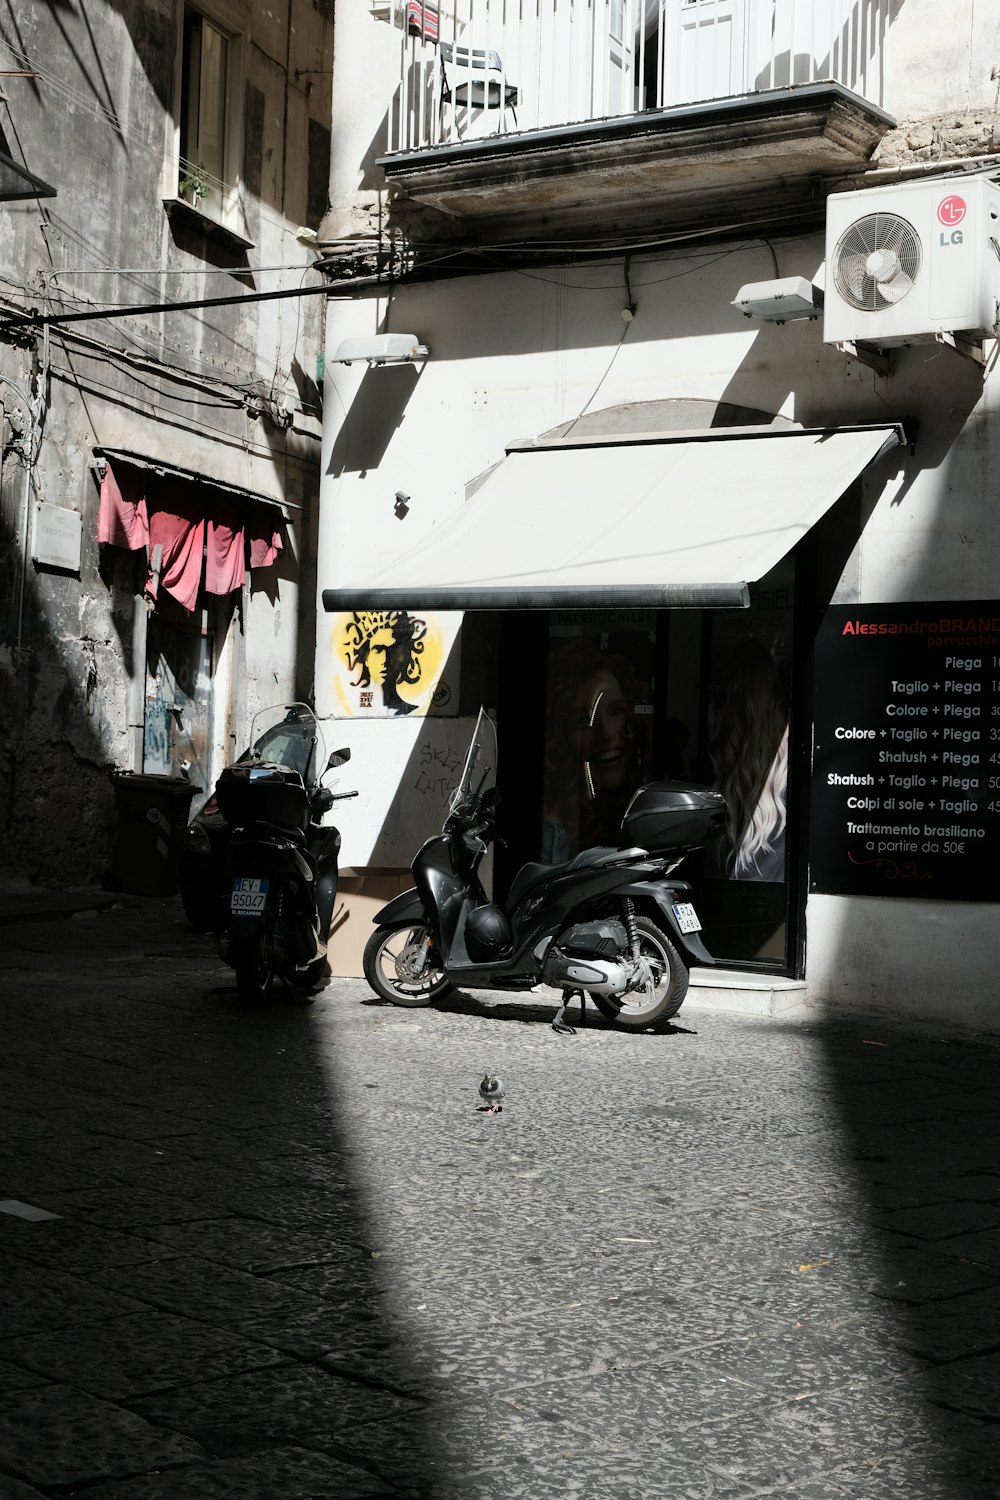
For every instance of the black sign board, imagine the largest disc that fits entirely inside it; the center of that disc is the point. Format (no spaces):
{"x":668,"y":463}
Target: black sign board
{"x":906,"y":751}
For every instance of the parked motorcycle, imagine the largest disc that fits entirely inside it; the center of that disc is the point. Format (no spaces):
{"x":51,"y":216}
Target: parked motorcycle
{"x":609,"y":924}
{"x":282,"y":859}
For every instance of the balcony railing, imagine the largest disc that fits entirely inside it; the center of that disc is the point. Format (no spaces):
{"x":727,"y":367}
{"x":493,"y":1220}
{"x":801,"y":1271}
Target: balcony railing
{"x":471,"y":68}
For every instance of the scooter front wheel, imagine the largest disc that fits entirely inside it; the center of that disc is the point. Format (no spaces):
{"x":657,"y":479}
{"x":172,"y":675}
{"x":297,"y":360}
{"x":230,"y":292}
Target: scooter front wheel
{"x":662,"y":997}
{"x":402,"y":965}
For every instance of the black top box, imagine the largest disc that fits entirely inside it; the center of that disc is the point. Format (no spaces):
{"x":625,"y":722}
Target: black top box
{"x":673,"y":815}
{"x":263,"y":794}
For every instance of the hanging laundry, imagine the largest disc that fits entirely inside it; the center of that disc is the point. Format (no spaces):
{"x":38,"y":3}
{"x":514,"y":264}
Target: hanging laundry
{"x":265,"y":539}
{"x":177,"y":524}
{"x":422,"y":20}
{"x":225,"y":561}
{"x":122,"y":520}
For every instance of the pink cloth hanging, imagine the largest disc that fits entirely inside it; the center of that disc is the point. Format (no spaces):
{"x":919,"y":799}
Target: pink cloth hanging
{"x":122,"y":519}
{"x":265,"y":539}
{"x":177,"y":524}
{"x":225,"y":565}
{"x":193,"y":525}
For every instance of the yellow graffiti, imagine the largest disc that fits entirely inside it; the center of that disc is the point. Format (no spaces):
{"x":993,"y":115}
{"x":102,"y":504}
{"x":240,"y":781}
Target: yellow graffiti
{"x":385,"y":663}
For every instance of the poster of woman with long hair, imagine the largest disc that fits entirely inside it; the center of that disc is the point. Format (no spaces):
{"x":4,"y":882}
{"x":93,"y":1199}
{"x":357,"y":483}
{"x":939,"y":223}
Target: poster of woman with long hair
{"x":749,"y":754}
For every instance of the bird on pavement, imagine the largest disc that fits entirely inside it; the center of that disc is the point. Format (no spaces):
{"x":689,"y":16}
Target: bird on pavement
{"x":491,"y":1092}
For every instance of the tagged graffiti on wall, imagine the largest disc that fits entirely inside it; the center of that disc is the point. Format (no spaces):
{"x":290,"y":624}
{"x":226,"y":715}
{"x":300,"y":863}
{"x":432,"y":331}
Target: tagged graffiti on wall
{"x":388,"y":664}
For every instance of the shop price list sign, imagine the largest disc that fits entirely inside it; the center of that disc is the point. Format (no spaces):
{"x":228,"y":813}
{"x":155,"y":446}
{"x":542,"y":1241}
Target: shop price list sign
{"x":906,"y":752}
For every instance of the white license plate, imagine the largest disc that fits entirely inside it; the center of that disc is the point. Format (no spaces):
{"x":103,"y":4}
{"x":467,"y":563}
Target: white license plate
{"x":248,"y":897}
{"x":687,"y":917}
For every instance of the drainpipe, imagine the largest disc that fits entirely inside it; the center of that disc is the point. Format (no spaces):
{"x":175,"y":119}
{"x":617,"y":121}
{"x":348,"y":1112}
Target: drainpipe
{"x":35,"y":407}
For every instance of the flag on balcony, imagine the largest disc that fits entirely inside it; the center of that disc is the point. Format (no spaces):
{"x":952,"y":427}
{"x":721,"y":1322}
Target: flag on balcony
{"x":422,"y":19}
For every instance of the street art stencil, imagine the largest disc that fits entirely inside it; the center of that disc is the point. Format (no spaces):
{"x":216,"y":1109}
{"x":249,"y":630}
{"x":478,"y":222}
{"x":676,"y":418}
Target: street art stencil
{"x":388,"y":664}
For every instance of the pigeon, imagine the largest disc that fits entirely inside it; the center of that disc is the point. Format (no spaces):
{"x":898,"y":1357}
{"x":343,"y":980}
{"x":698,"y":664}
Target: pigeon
{"x":491,"y":1093}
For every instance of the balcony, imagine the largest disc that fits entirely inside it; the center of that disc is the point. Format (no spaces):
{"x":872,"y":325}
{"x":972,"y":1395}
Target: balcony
{"x":690,"y":110}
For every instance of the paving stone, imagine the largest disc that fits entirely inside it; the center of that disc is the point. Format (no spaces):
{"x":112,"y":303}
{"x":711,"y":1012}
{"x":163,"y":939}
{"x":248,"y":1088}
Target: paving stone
{"x":982,"y":1248}
{"x":917,"y":1274}
{"x":288,"y":1473}
{"x":14,"y":1377}
{"x":33,"y":1299}
{"x":14,"y":1489}
{"x":954,"y":1328}
{"x":206,"y":1290}
{"x":138,"y":1353}
{"x":66,"y":1244}
{"x":969,"y":1385}
{"x":247,"y":1244}
{"x":56,"y":1436}
{"x":943,"y":1221}
{"x":295,"y":1404}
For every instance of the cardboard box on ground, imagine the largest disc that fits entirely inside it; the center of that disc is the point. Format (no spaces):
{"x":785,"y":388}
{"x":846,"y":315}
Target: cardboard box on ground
{"x":361,"y":894}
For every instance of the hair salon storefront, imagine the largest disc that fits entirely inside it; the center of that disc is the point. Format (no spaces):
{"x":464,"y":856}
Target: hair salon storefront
{"x":647,"y":646}
{"x":635,"y":695}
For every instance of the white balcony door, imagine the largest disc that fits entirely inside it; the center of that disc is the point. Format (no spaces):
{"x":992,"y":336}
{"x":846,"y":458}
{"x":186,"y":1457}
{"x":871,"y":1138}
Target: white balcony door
{"x":705,"y":52}
{"x":620,"y":90}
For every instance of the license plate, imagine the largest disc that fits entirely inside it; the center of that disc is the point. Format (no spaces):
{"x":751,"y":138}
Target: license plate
{"x":248,"y":897}
{"x":687,"y":917}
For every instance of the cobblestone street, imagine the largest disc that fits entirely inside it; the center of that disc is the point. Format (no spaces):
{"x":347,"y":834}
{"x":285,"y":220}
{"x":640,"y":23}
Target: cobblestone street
{"x":283,"y":1253}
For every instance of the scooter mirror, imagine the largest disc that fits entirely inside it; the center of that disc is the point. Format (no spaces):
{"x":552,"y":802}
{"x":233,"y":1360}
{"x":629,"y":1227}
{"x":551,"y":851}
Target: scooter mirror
{"x":338,"y":758}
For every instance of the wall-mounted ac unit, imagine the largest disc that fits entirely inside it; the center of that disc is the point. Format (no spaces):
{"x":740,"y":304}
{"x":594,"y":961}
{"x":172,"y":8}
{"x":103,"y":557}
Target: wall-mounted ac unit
{"x":906,"y":263}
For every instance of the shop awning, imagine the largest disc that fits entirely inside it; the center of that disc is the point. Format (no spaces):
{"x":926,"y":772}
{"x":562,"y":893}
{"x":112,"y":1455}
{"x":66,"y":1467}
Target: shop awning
{"x":659,"y":521}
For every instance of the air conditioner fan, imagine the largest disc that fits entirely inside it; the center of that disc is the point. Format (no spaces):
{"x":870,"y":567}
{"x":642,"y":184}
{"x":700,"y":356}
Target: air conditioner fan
{"x":876,"y":262}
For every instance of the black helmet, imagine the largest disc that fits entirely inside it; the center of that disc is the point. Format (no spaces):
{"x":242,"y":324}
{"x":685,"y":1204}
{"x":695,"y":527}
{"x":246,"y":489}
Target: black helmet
{"x":487,"y":934}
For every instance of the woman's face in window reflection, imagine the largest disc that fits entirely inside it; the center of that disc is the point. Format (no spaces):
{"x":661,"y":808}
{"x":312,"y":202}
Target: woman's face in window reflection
{"x":603,"y":732}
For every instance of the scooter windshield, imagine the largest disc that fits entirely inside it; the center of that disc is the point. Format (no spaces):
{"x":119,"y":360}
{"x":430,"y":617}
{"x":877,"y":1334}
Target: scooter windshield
{"x":479,"y":772}
{"x":288,"y":735}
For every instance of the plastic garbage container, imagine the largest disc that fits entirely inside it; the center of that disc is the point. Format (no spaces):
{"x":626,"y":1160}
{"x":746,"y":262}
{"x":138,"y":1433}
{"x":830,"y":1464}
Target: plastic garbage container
{"x":152,"y":816}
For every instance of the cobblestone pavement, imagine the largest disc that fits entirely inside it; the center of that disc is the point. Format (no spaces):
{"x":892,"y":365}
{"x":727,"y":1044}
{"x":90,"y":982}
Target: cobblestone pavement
{"x":282,"y":1255}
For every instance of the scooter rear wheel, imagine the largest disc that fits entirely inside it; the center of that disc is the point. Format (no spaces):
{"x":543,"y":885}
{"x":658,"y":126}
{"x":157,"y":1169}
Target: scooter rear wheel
{"x":643,"y":1009}
{"x":254,"y":967}
{"x":401,"y":968}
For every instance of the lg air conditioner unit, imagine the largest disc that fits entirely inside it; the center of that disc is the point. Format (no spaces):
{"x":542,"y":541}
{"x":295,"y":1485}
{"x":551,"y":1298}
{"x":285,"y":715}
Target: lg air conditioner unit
{"x":913,"y":262}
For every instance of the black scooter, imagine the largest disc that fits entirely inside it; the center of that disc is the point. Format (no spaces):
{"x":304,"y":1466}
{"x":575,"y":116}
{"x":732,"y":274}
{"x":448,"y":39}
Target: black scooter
{"x":609,"y":923}
{"x":282,"y":858}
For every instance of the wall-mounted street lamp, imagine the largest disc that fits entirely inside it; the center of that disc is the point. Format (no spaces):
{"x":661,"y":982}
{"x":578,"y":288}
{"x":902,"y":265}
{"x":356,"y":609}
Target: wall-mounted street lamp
{"x":780,"y":301}
{"x":381,"y":349}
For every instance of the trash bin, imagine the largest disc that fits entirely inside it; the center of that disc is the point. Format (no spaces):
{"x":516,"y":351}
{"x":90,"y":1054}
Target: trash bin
{"x":152,"y":816}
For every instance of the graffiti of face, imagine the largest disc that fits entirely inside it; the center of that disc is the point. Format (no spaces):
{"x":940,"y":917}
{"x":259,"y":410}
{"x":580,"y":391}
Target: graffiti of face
{"x":604,"y":731}
{"x":379,"y":654}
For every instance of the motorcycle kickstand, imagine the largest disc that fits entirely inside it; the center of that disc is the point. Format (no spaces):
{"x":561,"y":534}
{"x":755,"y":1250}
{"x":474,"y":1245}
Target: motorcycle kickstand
{"x":560,"y":1023}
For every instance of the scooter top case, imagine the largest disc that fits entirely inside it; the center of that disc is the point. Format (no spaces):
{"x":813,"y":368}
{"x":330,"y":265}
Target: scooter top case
{"x":263,"y":794}
{"x":671,"y":817}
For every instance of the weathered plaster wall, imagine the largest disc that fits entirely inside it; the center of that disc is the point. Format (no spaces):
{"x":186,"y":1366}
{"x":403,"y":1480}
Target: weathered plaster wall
{"x":203,"y":389}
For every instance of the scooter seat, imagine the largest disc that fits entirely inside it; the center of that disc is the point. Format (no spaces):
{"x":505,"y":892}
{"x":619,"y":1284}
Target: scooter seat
{"x":533,"y":874}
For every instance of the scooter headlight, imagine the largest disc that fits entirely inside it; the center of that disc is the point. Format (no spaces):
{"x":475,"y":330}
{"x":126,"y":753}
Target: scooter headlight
{"x":197,"y":839}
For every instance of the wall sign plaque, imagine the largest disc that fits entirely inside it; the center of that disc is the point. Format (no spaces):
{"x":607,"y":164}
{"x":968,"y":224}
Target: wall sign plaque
{"x":905,"y":797}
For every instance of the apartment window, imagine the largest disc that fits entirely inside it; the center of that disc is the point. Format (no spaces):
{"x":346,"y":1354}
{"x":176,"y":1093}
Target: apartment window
{"x":209,"y":114}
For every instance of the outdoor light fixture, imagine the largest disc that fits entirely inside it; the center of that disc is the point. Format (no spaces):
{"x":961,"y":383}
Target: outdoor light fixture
{"x":381,"y":349}
{"x":780,"y":301}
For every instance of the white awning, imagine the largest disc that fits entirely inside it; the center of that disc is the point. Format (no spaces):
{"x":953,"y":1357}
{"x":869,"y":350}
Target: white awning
{"x":651,"y":522}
